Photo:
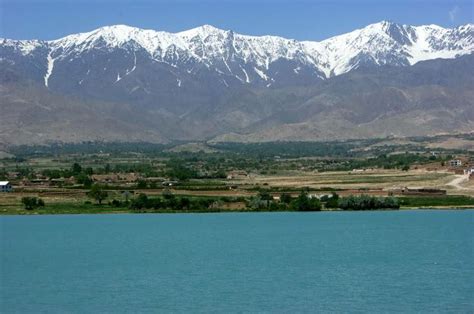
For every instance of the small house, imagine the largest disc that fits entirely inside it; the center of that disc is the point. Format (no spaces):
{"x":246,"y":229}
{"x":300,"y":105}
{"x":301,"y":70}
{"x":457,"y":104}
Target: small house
{"x":237,"y":174}
{"x":5,"y":186}
{"x":469,"y":171}
{"x":455,"y":163}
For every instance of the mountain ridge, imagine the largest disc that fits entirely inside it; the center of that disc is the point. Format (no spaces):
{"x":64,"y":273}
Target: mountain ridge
{"x":380,"y":43}
{"x":119,"y":82}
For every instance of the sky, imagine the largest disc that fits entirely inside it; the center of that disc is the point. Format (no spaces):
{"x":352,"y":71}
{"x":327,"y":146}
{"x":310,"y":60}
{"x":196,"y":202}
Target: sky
{"x":297,"y":19}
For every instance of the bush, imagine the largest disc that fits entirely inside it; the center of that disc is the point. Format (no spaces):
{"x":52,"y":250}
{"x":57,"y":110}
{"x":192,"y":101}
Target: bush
{"x":365,"y":202}
{"x":141,"y":201}
{"x":286,"y":198}
{"x":333,"y":201}
{"x":84,"y":179}
{"x":141,"y":184}
{"x":31,"y":203}
{"x":305,"y":203}
{"x":97,"y":193}
{"x":116,"y":203}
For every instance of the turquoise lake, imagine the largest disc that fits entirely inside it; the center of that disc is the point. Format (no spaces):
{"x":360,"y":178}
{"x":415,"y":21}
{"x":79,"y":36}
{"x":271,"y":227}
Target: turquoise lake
{"x":394,"y":261}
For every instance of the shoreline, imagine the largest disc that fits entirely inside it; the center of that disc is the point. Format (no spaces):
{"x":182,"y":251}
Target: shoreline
{"x":43,"y":212}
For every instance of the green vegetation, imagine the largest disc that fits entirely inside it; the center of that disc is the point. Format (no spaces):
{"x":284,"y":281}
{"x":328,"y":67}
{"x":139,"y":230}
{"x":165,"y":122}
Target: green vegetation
{"x":365,"y":202}
{"x":171,"y":203}
{"x":304,"y":203}
{"x":331,"y":201}
{"x":446,"y":200}
{"x":279,"y":176}
{"x":98,"y":193}
{"x":31,"y":203}
{"x":265,"y":201}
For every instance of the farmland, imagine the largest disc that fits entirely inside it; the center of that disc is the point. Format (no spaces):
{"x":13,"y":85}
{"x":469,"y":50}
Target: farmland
{"x":228,"y":177}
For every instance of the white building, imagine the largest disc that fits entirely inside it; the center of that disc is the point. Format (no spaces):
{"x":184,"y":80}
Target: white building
{"x":455,"y":163}
{"x":5,"y":186}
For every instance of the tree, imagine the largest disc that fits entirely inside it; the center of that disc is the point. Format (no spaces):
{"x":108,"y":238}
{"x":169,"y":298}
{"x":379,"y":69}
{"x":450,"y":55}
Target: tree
{"x":141,"y":201}
{"x":31,"y":203}
{"x":116,"y":203}
{"x":180,"y":171}
{"x":305,"y":203}
{"x":365,"y":202}
{"x":333,"y":201}
{"x":107,"y":169}
{"x":155,"y":203}
{"x":286,"y":198}
{"x":274,"y":206}
{"x":98,"y":193}
{"x":76,"y":168}
{"x":126,"y":194}
{"x":141,"y":184}
{"x":265,"y":196}
{"x":220,"y":174}
{"x":184,"y":203}
{"x":89,"y":171}
{"x":167,"y":194}
{"x":171,"y":202}
{"x":84,"y":180}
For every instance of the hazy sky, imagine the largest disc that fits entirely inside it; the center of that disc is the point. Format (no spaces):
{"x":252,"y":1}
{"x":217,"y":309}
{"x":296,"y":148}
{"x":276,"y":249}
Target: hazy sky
{"x":299,"y":19}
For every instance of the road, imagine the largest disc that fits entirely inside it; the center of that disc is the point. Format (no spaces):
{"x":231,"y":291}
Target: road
{"x":456,"y":182}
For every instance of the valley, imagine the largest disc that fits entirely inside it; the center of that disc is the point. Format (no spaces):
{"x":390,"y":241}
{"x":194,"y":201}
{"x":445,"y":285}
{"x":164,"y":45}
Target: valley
{"x":206,"y":177}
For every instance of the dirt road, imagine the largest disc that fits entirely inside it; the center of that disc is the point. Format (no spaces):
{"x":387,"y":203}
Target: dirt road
{"x":456,"y":182}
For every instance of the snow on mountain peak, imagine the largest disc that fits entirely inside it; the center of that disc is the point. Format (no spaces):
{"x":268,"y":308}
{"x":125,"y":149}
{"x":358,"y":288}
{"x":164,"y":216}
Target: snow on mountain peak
{"x":201,"y":31}
{"x":381,"y":43}
{"x":25,"y":47}
{"x":110,"y":36}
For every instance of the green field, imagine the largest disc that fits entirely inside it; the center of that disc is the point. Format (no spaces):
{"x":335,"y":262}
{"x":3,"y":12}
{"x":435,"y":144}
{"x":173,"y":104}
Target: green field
{"x":235,"y":176}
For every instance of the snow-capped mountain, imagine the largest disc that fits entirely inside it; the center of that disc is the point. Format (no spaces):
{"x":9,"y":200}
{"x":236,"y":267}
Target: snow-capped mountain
{"x":236,"y":58}
{"x":125,"y":83}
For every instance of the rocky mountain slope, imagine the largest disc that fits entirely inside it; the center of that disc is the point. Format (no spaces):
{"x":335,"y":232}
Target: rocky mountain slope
{"x":125,"y":83}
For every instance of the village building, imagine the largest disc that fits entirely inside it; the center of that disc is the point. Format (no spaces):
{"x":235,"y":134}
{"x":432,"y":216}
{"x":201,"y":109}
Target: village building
{"x":115,"y":177}
{"x":469,"y":171}
{"x":455,"y":163}
{"x":13,"y":175}
{"x":237,"y":174}
{"x":5,"y":186}
{"x":35,"y":182}
{"x":320,"y":196}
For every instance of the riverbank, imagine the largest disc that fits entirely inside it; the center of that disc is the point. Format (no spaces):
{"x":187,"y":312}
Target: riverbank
{"x":77,"y":209}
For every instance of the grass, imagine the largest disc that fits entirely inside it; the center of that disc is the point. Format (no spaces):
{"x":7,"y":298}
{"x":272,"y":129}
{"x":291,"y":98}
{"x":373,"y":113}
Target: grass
{"x":75,"y":208}
{"x":66,"y":208}
{"x":91,"y":208}
{"x":448,"y":200}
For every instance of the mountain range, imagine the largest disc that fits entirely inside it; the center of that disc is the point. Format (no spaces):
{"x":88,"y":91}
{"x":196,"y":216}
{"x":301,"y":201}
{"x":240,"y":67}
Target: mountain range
{"x":120,"y":83}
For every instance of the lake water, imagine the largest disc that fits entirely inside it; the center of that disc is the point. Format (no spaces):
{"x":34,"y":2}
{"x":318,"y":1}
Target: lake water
{"x":397,"y":261}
